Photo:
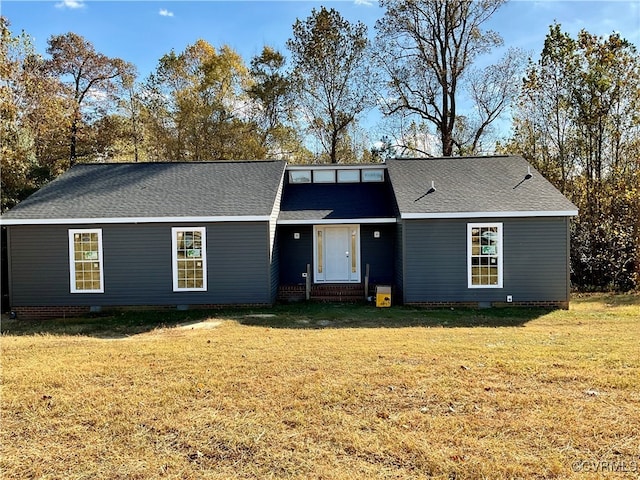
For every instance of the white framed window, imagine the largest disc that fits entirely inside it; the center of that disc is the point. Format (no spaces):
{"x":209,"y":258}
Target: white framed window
{"x":189,"y":256}
{"x":348,"y":176}
{"x":484,"y":255}
{"x":324,"y":176}
{"x":300,"y":176}
{"x":373,"y":175}
{"x":85,"y":261}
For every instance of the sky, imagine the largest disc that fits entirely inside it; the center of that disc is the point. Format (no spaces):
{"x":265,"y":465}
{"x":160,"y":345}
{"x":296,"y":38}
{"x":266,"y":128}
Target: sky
{"x":141,"y":32}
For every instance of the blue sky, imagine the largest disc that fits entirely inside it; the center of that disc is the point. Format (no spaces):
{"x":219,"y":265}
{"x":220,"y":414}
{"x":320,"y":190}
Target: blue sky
{"x":141,"y":32}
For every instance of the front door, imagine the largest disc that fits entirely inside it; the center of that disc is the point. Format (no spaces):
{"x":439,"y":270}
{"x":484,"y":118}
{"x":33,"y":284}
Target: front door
{"x":337,"y":254}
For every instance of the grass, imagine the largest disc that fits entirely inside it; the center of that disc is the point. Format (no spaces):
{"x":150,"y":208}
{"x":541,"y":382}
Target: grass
{"x":325,"y":392}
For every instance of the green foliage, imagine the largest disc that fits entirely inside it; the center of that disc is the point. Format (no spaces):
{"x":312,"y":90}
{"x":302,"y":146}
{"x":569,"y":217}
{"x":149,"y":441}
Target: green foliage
{"x":271,"y":91}
{"x":577,"y":123}
{"x":194,"y":107}
{"x":33,"y":142}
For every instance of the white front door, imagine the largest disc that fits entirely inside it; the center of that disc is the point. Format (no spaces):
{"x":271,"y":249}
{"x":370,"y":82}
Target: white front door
{"x":337,"y":253}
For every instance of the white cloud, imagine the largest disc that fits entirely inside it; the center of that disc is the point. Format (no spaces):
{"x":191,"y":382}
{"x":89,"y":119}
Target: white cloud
{"x":366,"y":3}
{"x":165,"y":13}
{"x":70,"y":4}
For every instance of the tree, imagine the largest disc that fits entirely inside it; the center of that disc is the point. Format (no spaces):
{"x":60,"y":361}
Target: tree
{"x":331,"y":74}
{"x":427,"y":49}
{"x":33,"y":116}
{"x":196,"y":108}
{"x":577,"y":121}
{"x":88,"y":72}
{"x":544,"y":116}
{"x":270,"y":92}
{"x":14,"y":153}
{"x":130,"y":103}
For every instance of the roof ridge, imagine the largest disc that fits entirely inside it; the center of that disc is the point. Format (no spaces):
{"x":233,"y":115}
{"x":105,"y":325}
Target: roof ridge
{"x":179,"y":162}
{"x":460,"y":157}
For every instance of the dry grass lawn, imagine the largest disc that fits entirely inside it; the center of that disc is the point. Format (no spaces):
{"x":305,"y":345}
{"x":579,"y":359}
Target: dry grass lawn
{"x":318,"y":393}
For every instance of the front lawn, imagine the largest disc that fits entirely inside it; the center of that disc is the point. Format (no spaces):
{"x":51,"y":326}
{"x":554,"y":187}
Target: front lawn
{"x":325,"y":392}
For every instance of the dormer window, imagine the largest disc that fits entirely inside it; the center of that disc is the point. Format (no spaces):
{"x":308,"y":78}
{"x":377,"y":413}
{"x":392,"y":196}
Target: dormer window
{"x":324,"y":176}
{"x":300,"y":176}
{"x":373,"y":175}
{"x":347,"y":174}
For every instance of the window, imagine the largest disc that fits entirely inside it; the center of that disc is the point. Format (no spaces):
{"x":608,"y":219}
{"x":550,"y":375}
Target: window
{"x":189,"y":247}
{"x":484,"y":255}
{"x":300,"y":176}
{"x":376,"y":175}
{"x":348,"y":176}
{"x":85,"y":261}
{"x":324,"y":176}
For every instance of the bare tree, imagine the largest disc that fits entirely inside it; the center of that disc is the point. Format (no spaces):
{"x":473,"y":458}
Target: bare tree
{"x":331,"y":75}
{"x":427,"y":49}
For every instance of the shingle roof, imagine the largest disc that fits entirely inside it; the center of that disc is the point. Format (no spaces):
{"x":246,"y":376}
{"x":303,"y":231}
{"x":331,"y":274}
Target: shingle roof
{"x":138,"y":191}
{"x":155,"y":190}
{"x":473,"y":184}
{"x":336,"y":201}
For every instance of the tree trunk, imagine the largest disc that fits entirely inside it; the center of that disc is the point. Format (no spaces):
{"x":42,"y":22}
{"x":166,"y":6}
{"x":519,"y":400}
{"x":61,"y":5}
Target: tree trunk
{"x":447,"y":141}
{"x":334,"y":147}
{"x":73,"y":142}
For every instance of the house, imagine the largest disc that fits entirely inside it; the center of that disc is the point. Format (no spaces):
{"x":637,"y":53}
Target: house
{"x":475,"y":231}
{"x":480,"y":231}
{"x":141,"y":234}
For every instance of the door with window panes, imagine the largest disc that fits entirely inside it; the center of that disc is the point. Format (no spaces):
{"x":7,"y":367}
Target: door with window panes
{"x":337,"y":254}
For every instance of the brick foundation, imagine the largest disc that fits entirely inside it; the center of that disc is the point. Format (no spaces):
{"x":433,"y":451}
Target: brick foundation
{"x":285,"y":294}
{"x":561,"y":305}
{"x":48,"y":313}
{"x":291,"y":293}
{"x":443,"y":304}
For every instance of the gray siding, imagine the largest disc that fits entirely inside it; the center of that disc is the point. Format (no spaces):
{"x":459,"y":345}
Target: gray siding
{"x":294,"y":255}
{"x":39,"y":268}
{"x":378,"y":253}
{"x":399,"y":263}
{"x":137,"y":266}
{"x":274,"y":269}
{"x":535,"y":261}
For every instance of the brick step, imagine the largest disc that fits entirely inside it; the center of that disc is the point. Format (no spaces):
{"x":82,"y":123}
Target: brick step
{"x":321,"y":287}
{"x":339,"y":293}
{"x":337,"y":299}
